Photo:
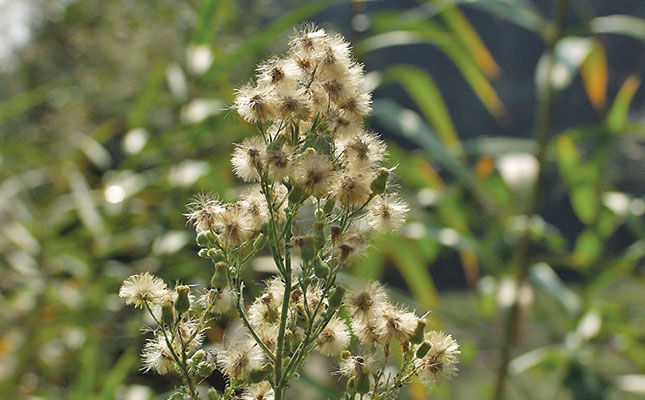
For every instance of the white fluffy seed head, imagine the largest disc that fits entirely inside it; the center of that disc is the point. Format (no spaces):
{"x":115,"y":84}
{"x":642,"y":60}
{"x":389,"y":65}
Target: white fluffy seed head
{"x":315,"y":173}
{"x":387,"y":213}
{"x":236,"y":359}
{"x":143,"y":289}
{"x":157,"y":357}
{"x":365,"y":304}
{"x":334,"y":338}
{"x":258,"y":391}
{"x":440,"y":363}
{"x":248,"y":159}
{"x":255,"y":104}
{"x":396,"y":323}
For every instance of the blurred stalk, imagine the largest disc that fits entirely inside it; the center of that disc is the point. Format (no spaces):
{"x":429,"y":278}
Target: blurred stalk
{"x":543,"y":132}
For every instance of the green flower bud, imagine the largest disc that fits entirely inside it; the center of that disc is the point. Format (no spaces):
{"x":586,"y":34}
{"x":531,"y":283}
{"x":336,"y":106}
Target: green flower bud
{"x":329,"y":206}
{"x":203,"y":253}
{"x":379,"y":183}
{"x":345,"y":354}
{"x":362,"y":383}
{"x":417,"y":336}
{"x":336,"y":297}
{"x":216,"y":255}
{"x":212,"y":394}
{"x":423,"y":349}
{"x":319,"y":234}
{"x":202,"y":239}
{"x":167,"y":315}
{"x":205,"y":369}
{"x":199,"y":356}
{"x":183,"y":302}
{"x":219,"y":279}
{"x":321,"y":270}
{"x":308,"y":251}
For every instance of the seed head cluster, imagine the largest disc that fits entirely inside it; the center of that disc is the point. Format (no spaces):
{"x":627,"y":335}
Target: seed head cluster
{"x":316,"y":190}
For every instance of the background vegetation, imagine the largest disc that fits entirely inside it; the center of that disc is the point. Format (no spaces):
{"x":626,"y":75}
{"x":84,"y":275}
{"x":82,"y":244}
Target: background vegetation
{"x":517,"y":128}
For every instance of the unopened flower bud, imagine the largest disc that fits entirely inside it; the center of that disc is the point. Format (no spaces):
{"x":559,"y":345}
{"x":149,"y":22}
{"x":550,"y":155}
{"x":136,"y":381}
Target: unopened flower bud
{"x":198,"y":357}
{"x":321,"y":270}
{"x":307,"y":249}
{"x":205,"y":369}
{"x":345,"y":354}
{"x":379,"y":183}
{"x":202,"y":239}
{"x":183,"y":302}
{"x":417,"y":336}
{"x":167,"y":315}
{"x":329,"y":206}
{"x":336,"y":298}
{"x":203,"y":253}
{"x":319,"y":234}
{"x":362,"y":383}
{"x":212,"y":394}
{"x":219,"y":279}
{"x":423,"y":349}
{"x":176,"y":396}
{"x":335,"y":233}
{"x":215,"y":255}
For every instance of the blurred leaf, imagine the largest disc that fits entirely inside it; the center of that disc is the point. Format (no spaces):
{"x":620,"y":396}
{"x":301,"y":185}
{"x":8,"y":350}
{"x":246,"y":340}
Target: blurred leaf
{"x":617,"y":268}
{"x":620,"y":24}
{"x":569,"y":54}
{"x":402,"y":33}
{"x":588,"y":248}
{"x":426,"y":95}
{"x":262,"y":38}
{"x":147,"y":97}
{"x":498,"y":145}
{"x":410,"y":125}
{"x":595,"y":76}
{"x":413,"y":169}
{"x":519,"y":12}
{"x":536,"y":358}
{"x":471,"y":267}
{"x":543,"y":276}
{"x":83,"y":386}
{"x":26,"y":100}
{"x":585,"y":383}
{"x":617,"y":116}
{"x":414,"y":271}
{"x":457,"y":22}
{"x":118,"y":374}
{"x":585,"y":201}
{"x":207,"y":18}
{"x":371,"y":266}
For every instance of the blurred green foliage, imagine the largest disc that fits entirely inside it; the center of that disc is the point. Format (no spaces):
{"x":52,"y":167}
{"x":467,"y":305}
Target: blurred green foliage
{"x":116,"y":114}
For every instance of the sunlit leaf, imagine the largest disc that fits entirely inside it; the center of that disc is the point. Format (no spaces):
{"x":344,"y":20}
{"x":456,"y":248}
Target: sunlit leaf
{"x":414,"y":271}
{"x":207,"y":18}
{"x":588,"y":248}
{"x":425,"y":93}
{"x":519,"y":12}
{"x":118,"y":374}
{"x":617,"y":116}
{"x":619,"y":24}
{"x":262,"y":38}
{"x":543,"y":276}
{"x":595,"y":76}
{"x":457,"y":22}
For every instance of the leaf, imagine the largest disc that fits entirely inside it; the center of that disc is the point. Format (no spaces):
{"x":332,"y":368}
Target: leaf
{"x":543,"y":276}
{"x":207,"y":18}
{"x":118,"y":374}
{"x":595,"y":76}
{"x":498,"y":145}
{"x":519,"y":12}
{"x":423,"y":90}
{"x":402,"y":33}
{"x":414,"y":271}
{"x":457,"y":22}
{"x":619,"y":24}
{"x":26,"y":100}
{"x":262,"y":38}
{"x":585,"y":202}
{"x":588,"y":248}
{"x":147,"y":97}
{"x":569,"y":54}
{"x":617,"y":116}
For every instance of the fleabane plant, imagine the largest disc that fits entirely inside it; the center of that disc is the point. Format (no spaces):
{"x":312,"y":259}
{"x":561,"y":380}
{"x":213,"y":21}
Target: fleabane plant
{"x":318,"y":187}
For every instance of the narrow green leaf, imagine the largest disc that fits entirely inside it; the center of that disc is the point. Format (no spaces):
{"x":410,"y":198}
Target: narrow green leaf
{"x":543,"y":276}
{"x":519,"y":12}
{"x":118,"y":374}
{"x":619,"y":24}
{"x":414,"y":271}
{"x":588,"y":248}
{"x":207,"y":18}
{"x":585,"y":202}
{"x":617,"y":116}
{"x":24,"y":101}
{"x":263,"y":37}
{"x":425,"y":93}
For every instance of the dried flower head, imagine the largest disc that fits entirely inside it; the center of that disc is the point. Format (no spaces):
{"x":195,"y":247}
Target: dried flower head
{"x":367,"y":303}
{"x":440,"y":363}
{"x":315,"y":173}
{"x":255,"y":104}
{"x":143,"y":289}
{"x":334,"y":338}
{"x":259,"y":391}
{"x":248,"y":159}
{"x":236,"y":359}
{"x":387,"y":213}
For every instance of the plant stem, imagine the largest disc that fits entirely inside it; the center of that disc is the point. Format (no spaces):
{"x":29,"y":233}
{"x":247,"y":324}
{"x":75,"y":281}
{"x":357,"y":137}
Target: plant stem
{"x":543,"y":132}
{"x":280,"y":380}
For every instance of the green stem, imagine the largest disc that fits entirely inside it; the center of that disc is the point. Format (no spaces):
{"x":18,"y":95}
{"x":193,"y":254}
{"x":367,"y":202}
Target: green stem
{"x":543,"y":132}
{"x":280,"y":380}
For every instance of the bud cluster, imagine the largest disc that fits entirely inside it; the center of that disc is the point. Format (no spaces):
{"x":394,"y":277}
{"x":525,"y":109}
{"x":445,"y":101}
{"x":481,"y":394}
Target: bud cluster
{"x":317,"y":188}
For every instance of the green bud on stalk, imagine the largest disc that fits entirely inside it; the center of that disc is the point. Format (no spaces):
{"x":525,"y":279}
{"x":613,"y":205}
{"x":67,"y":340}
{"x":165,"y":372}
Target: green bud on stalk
{"x":379,"y":183}
{"x":362,"y":383}
{"x":203,"y":253}
{"x":219,"y":279}
{"x":417,"y":336}
{"x":336,"y":297}
{"x":183,"y":302}
{"x":203,"y":239}
{"x":212,"y":394}
{"x":205,"y":369}
{"x":423,"y":349}
{"x":167,"y":315}
{"x":321,"y":270}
